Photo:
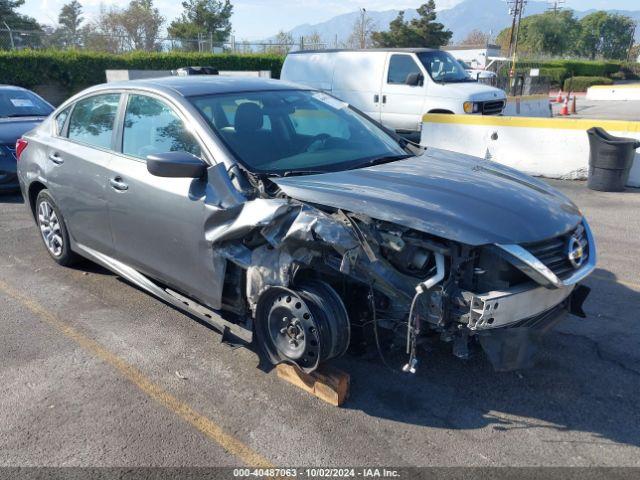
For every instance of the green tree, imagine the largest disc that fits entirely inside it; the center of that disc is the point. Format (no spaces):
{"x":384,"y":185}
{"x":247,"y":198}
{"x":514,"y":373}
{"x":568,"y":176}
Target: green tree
{"x":552,"y":33}
{"x":423,"y":31}
{"x":203,"y":17}
{"x":549,"y":33}
{"x":606,"y":35}
{"x":70,"y":17}
{"x":70,"y":21}
{"x":141,"y":22}
{"x":15,"y":20}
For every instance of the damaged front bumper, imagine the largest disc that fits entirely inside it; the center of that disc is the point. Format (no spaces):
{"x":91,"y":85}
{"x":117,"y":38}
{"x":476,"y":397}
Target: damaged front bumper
{"x":512,"y":344}
{"x":510,"y":324}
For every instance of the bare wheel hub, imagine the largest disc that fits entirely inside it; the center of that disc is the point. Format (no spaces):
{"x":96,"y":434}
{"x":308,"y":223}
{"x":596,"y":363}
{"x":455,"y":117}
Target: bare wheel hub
{"x":306,"y":327}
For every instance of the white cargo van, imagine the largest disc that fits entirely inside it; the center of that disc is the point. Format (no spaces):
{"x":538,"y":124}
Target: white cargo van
{"x":395,"y":86}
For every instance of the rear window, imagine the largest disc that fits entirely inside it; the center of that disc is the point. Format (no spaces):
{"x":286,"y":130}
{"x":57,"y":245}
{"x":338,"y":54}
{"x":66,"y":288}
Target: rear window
{"x":22,"y":103}
{"x":93,"y":118}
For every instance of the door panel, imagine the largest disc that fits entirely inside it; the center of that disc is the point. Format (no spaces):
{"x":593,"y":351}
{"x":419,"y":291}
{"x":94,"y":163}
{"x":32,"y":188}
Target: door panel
{"x":402,"y":104}
{"x":79,"y":168}
{"x":158,"y":223}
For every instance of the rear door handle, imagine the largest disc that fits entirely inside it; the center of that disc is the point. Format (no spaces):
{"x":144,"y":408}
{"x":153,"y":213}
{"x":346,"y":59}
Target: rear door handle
{"x":376,"y":98}
{"x":55,"y":158}
{"x":118,"y":184}
{"x":384,"y":99}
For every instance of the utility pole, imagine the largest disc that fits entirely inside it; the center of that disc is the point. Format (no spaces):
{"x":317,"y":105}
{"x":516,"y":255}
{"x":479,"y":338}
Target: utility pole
{"x":363,"y":28}
{"x":516,"y":7}
{"x":556,"y":5}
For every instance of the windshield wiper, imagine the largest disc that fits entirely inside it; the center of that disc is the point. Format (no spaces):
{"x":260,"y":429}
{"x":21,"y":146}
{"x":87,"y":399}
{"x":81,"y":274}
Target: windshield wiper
{"x":382,"y":160}
{"x":293,"y":173}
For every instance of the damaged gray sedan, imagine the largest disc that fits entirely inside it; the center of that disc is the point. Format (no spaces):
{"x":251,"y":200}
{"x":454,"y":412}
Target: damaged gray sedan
{"x":285,"y":216}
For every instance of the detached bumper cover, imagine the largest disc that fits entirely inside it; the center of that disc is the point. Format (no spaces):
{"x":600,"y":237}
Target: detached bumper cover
{"x":514,"y":347}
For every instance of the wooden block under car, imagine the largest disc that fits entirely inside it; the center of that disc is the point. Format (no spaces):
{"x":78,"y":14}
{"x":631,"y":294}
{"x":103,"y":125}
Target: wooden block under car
{"x":327,"y":383}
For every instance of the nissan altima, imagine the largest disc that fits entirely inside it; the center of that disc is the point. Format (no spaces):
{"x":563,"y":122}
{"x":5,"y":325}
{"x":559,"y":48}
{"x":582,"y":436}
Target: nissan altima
{"x":284,"y":216}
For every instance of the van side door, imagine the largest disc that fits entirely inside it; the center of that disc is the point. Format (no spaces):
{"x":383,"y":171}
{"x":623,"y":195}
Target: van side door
{"x":403,"y":93}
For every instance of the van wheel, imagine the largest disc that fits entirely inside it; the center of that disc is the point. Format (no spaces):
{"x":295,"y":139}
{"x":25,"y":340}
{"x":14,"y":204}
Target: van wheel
{"x":53,"y":230}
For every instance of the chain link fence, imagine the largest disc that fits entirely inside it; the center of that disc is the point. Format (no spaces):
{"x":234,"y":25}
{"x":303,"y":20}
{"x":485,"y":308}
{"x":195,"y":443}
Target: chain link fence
{"x":38,"y":40}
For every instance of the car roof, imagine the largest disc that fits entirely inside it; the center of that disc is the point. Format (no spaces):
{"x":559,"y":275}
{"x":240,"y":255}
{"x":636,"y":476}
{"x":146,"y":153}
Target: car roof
{"x":11,"y":87}
{"x":195,"y":85}
{"x":367,"y":50}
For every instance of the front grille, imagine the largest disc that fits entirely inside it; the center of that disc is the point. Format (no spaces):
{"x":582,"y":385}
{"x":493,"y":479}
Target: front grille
{"x":554,"y":253}
{"x":492,"y":108}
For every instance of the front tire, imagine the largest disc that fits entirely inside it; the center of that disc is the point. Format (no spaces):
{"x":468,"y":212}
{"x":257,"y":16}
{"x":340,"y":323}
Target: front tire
{"x":53,"y":230}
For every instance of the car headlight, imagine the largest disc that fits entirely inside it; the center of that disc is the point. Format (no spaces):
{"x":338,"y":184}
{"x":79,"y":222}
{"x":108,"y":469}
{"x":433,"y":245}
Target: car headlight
{"x":471,"y":107}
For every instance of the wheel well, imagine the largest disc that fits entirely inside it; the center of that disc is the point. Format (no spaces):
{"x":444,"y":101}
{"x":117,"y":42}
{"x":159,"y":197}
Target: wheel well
{"x":34,"y":189}
{"x":439,"y":110}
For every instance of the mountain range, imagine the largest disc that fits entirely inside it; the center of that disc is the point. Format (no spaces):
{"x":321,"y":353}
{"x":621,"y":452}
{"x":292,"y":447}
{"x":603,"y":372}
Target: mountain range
{"x":488,"y":16}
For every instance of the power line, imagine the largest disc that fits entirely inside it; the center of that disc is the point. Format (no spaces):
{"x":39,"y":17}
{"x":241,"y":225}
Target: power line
{"x":555,"y":5}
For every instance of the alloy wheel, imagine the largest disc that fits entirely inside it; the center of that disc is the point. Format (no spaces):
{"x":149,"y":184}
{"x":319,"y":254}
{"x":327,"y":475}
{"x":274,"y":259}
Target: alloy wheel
{"x":50,"y":228}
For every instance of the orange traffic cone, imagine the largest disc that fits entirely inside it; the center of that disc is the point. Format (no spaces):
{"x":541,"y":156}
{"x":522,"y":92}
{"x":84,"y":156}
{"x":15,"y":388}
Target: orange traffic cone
{"x":565,"y":107}
{"x":559,"y":98}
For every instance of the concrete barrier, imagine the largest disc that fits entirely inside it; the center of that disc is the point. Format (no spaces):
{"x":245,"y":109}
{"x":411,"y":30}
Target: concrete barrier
{"x":528,"y":106}
{"x":629,"y":91}
{"x":546,"y":147}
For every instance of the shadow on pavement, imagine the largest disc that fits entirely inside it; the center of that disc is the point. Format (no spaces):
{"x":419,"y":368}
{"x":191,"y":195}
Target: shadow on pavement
{"x":587,"y":379}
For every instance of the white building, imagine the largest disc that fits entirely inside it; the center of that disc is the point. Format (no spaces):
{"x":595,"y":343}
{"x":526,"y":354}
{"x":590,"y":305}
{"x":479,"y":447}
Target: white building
{"x":477,"y":57}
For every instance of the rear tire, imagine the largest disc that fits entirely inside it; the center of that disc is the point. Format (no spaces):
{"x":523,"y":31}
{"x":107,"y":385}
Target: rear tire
{"x":53,"y":230}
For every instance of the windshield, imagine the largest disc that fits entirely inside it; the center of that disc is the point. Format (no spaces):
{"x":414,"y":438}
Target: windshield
{"x":295,"y":131}
{"x":442,"y":67}
{"x":22,"y":103}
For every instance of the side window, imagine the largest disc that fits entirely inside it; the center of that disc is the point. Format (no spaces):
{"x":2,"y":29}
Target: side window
{"x":400,"y":67}
{"x":93,"y":118}
{"x":61,"y":119}
{"x":150,"y":127}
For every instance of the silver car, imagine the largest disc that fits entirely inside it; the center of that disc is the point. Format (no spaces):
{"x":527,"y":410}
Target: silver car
{"x":271,"y":210}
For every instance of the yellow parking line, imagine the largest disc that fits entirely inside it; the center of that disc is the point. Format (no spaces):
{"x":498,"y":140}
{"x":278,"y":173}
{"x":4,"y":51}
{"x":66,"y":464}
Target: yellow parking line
{"x":229,"y":443}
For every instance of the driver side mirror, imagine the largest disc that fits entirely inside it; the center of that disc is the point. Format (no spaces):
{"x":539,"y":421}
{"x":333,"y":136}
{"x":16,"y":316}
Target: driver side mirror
{"x":176,"y":165}
{"x":414,"y":80}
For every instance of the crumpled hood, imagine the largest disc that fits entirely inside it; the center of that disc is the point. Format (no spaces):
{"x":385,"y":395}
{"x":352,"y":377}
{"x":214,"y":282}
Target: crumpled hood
{"x":447,"y":194}
{"x":11,"y":129}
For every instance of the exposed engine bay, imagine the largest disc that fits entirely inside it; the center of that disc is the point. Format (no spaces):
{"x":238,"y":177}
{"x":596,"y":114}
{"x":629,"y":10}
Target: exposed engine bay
{"x":311,"y":280}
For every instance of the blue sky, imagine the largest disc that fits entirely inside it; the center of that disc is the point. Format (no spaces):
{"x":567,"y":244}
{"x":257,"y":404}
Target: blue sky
{"x":255,"y":19}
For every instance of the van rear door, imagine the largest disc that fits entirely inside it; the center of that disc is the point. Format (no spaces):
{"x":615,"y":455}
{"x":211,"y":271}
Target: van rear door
{"x":402,"y":100}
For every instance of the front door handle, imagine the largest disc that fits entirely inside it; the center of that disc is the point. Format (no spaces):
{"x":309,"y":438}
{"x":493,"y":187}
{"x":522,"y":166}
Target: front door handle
{"x":376,"y":98}
{"x":55,"y":158}
{"x":118,"y":184}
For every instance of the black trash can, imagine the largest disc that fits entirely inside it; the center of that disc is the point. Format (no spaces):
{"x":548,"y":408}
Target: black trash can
{"x":610,"y":160}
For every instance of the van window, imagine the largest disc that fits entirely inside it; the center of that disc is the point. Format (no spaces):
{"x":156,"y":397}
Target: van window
{"x":92,"y":120}
{"x":150,"y":127}
{"x":400,"y":67}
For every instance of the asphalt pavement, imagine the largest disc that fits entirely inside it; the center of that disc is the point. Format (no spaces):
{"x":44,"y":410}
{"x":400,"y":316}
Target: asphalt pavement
{"x":97,"y":373}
